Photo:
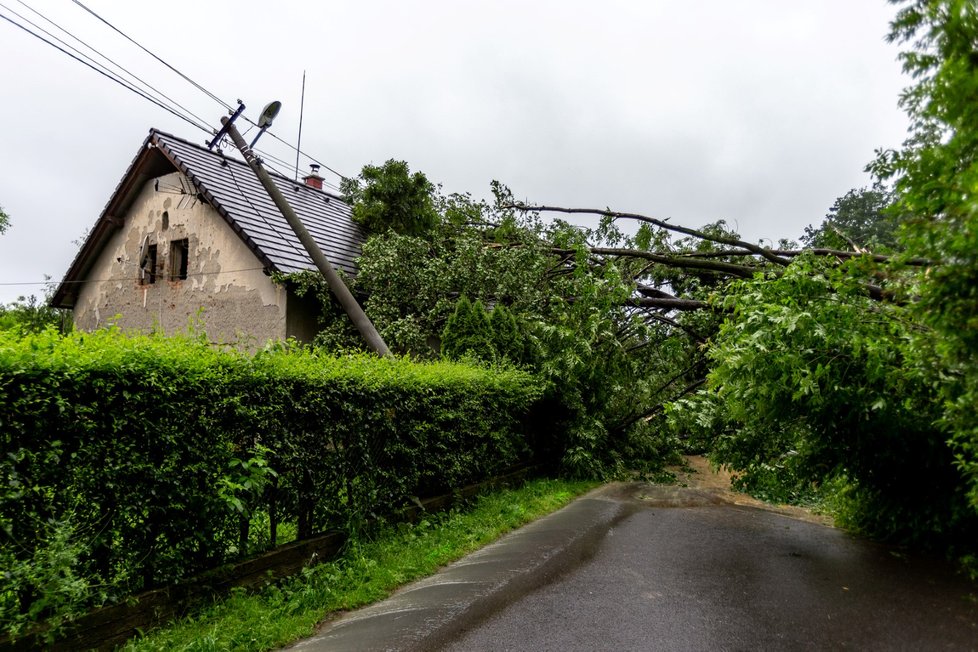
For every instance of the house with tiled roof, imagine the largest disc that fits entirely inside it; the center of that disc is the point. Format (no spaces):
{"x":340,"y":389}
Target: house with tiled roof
{"x":191,"y":235}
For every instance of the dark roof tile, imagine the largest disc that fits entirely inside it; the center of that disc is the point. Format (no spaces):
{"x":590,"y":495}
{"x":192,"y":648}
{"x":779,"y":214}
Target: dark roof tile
{"x":233,"y":187}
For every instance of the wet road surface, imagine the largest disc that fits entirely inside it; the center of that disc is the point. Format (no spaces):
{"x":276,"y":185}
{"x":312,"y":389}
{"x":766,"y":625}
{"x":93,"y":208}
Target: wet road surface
{"x":725,"y":577}
{"x":642,"y":567}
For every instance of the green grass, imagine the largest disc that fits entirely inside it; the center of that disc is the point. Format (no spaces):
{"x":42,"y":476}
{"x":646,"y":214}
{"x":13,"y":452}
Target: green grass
{"x":369,"y":570}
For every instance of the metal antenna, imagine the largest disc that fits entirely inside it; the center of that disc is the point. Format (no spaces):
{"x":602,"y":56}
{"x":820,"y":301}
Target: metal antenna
{"x":302,"y":110}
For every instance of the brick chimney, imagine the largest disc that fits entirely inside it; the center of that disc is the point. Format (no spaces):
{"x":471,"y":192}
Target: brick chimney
{"x":313,"y":180}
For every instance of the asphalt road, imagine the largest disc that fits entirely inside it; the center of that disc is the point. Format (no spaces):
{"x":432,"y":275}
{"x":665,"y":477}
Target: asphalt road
{"x":726,"y":577}
{"x":638,"y":567}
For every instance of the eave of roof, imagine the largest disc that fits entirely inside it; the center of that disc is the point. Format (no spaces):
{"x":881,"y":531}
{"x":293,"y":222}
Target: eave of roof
{"x":147,"y":164}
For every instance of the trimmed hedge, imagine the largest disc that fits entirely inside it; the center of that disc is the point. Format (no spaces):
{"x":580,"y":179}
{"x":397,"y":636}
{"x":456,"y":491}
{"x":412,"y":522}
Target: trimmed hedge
{"x":150,"y":458}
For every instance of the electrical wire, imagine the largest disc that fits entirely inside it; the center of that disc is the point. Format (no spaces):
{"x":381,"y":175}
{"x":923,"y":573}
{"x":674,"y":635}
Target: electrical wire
{"x":157,"y":93}
{"x":266,"y":156}
{"x":308,"y":156}
{"x":278,"y":169}
{"x":129,"y":278}
{"x":279,"y":163}
{"x":230,"y":162}
{"x":160,"y":99}
{"x":105,"y":74}
{"x":134,"y":42}
{"x":207,"y":92}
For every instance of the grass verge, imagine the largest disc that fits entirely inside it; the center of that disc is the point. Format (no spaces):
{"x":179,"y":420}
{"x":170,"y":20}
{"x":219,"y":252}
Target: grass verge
{"x":369,"y":570}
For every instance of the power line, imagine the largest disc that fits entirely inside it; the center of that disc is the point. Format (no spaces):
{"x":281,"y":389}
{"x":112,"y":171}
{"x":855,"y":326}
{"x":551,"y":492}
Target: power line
{"x":133,"y":41}
{"x":129,"y":278}
{"x":105,"y":74}
{"x":278,"y":169}
{"x":205,"y":91}
{"x":158,"y":93}
{"x":308,"y":156}
{"x":266,"y":157}
{"x":186,"y":115}
{"x":230,"y":168}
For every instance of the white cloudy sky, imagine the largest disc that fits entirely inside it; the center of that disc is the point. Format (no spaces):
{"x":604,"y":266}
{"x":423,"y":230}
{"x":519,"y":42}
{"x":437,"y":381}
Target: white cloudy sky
{"x":760,"y":112}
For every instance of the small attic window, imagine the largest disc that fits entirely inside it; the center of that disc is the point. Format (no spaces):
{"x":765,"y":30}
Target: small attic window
{"x":179,"y":250}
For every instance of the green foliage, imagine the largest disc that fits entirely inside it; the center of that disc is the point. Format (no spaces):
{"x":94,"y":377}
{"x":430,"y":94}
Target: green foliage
{"x":936,"y":173}
{"x":861,"y":217}
{"x":4,"y":221}
{"x":507,"y":339}
{"x":810,"y":382}
{"x":468,"y":333}
{"x":554,"y":312}
{"x":163,"y":450}
{"x":30,"y":315}
{"x":390,"y":197}
{"x":816,"y":390}
{"x":471,"y":332}
{"x":245,"y":481}
{"x":52,"y":576}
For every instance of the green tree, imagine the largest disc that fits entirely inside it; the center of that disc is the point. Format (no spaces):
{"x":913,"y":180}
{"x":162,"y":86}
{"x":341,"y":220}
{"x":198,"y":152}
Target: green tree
{"x":936,"y":174}
{"x":810,"y":384}
{"x":859,"y":218}
{"x":468,"y":332}
{"x":507,"y":340}
{"x":864,"y":376}
{"x":577,"y":327}
{"x":390,"y":197}
{"x":4,"y":221}
{"x":32,"y":315}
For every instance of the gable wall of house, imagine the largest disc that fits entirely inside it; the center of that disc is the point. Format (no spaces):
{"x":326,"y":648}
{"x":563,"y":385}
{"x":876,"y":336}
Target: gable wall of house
{"x":225,"y":287}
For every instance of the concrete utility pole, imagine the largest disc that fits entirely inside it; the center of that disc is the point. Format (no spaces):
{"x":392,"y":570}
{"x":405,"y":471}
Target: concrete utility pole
{"x":333,"y":280}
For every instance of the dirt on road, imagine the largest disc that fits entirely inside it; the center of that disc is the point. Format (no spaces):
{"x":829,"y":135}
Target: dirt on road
{"x":697,"y":483}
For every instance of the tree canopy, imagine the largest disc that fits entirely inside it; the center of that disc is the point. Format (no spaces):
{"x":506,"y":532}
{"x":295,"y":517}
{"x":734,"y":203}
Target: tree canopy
{"x":861,"y":219}
{"x":390,"y":197}
{"x":28,"y":314}
{"x":864,"y":375}
{"x":935,"y":175}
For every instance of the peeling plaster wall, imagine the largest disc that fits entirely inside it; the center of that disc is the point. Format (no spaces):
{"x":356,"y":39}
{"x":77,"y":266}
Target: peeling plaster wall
{"x":225,"y":287}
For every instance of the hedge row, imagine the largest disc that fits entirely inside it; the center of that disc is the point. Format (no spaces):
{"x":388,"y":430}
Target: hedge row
{"x":150,"y":459}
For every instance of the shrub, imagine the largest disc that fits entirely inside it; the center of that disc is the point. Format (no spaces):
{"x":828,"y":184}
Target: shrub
{"x":163,"y":449}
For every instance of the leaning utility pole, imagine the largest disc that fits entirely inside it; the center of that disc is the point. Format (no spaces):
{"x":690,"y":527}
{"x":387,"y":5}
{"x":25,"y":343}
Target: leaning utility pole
{"x":333,"y":280}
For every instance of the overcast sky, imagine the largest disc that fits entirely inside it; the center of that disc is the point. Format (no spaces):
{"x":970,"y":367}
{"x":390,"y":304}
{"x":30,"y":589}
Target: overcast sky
{"x":759,"y":112}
